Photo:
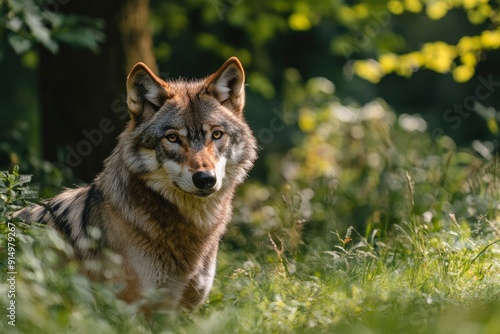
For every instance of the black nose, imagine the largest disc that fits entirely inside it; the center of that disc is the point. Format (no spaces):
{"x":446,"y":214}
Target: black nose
{"x":204,"y":180}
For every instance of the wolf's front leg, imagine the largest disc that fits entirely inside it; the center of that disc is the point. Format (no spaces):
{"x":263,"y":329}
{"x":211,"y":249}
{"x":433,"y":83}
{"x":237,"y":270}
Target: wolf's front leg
{"x":199,"y":286}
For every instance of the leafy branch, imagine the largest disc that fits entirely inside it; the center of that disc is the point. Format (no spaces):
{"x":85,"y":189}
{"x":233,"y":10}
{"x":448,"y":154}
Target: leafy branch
{"x":26,"y":23}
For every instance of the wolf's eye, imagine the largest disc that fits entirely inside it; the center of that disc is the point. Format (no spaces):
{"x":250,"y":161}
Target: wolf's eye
{"x":172,"y":138}
{"x":217,"y":134}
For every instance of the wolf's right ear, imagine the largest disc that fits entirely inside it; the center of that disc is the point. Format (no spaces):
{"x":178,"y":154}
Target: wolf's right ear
{"x":228,"y":85}
{"x":146,"y":93}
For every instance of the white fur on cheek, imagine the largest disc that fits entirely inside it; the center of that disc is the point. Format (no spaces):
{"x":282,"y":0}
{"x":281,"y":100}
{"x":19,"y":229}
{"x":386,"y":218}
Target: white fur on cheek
{"x":180,"y":175}
{"x":172,"y":167}
{"x":185,"y":181}
{"x":220,"y":171}
{"x":237,"y":152}
{"x":148,"y":158}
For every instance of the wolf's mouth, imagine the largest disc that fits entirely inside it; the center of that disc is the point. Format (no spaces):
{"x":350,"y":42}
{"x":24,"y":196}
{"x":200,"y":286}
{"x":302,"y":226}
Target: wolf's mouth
{"x":200,"y":193}
{"x":203,"y":194}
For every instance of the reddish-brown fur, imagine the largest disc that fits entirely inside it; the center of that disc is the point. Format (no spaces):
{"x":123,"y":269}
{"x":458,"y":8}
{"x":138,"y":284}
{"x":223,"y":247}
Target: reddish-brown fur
{"x":145,"y":203}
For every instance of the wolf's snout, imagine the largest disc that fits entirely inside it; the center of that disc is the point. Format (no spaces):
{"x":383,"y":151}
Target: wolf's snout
{"x":204,"y":180}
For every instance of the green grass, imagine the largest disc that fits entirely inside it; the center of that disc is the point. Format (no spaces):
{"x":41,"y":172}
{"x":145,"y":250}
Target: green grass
{"x":385,"y":232}
{"x":418,"y":279}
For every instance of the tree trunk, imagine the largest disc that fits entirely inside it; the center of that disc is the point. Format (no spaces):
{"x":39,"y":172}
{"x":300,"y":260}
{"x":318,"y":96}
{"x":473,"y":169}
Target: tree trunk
{"x":83,"y":93}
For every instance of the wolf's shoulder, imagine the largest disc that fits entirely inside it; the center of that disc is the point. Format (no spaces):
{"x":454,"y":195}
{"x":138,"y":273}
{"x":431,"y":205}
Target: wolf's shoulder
{"x":62,"y":211}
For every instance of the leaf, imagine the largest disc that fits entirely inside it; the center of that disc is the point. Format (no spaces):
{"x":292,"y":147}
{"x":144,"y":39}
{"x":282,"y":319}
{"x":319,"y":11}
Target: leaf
{"x":19,"y":43}
{"x":15,"y":24}
{"x":23,"y":179}
{"x":80,"y":31}
{"x":493,"y":126}
{"x":83,"y":37}
{"x":40,"y":32}
{"x":486,"y":113}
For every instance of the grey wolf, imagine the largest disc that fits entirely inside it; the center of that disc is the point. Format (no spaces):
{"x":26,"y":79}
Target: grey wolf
{"x":163,"y":199}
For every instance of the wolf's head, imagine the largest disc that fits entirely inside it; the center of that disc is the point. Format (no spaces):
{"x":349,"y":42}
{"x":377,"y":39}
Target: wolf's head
{"x":188,"y":136}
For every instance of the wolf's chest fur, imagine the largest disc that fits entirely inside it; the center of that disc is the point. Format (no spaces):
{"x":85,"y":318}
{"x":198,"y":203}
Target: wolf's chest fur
{"x":162,"y":247}
{"x":164,"y":197}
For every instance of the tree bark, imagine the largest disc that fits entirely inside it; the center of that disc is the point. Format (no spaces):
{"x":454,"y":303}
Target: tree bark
{"x":83,"y":94}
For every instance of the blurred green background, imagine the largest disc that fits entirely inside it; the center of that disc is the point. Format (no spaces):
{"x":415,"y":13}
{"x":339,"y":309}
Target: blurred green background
{"x":373,"y":206}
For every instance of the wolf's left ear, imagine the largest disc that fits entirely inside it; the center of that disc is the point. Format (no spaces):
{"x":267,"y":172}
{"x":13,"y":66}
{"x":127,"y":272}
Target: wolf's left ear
{"x":146,"y":93}
{"x":228,"y":85}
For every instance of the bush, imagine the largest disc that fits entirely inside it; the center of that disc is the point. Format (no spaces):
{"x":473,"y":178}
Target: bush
{"x":45,"y":287}
{"x":370,"y":226}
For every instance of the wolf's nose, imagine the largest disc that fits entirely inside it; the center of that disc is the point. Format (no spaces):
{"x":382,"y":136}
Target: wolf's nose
{"x":204,"y":180}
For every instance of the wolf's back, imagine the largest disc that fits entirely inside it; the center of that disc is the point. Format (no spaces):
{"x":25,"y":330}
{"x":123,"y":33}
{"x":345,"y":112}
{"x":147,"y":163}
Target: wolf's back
{"x":71,"y":213}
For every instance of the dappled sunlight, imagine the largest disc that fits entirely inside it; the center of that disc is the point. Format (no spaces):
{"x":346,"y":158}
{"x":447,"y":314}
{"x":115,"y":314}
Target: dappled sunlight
{"x":373,"y":206}
{"x":459,"y":59}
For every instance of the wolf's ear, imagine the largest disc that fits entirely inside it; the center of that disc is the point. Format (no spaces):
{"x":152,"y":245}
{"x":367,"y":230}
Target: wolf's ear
{"x":146,"y":93}
{"x":228,"y":85}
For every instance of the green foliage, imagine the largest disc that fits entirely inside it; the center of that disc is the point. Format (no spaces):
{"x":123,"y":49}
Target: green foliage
{"x":369,"y":226}
{"x":379,"y":36}
{"x":429,"y":247}
{"x":49,"y":293}
{"x":24,"y":23}
{"x":459,"y":57}
{"x":254,"y":31}
{"x":48,"y":178}
{"x":360,"y":166}
{"x":14,"y":191}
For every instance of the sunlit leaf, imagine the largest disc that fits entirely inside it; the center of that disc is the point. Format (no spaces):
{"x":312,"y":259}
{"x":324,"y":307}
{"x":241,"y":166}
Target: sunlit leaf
{"x":298,"y":21}
{"x":493,"y":126}
{"x":469,"y":59}
{"x":463,"y":73}
{"x":396,"y":7}
{"x":490,"y":39}
{"x":307,"y":120}
{"x":347,"y":14}
{"x":475,"y":16}
{"x":414,"y":6}
{"x":411,"y":62}
{"x":469,"y":4}
{"x":362,"y":10}
{"x":436,"y":10}
{"x":388,"y":62}
{"x":369,"y":70}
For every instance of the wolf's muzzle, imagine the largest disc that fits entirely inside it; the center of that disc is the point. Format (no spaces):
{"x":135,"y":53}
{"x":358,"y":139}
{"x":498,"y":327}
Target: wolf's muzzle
{"x":204,"y":180}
